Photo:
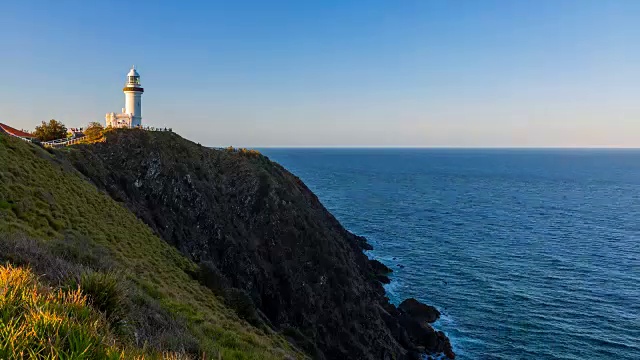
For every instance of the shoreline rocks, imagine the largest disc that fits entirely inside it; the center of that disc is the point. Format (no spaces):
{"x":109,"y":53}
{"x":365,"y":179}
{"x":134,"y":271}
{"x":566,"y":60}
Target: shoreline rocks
{"x":409,"y":325}
{"x":419,"y":311}
{"x":380,"y":271}
{"x":362,"y":242}
{"x":379,"y":268}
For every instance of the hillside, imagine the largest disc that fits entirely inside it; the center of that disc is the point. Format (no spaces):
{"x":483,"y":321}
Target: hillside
{"x":73,"y":236}
{"x":259,"y":234}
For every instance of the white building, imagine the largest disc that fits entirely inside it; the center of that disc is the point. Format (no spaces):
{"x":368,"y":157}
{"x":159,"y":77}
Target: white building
{"x":131,"y":115}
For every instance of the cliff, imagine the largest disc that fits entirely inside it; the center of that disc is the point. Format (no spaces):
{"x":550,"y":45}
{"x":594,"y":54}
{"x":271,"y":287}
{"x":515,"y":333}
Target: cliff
{"x":262,"y":241}
{"x":90,"y":251}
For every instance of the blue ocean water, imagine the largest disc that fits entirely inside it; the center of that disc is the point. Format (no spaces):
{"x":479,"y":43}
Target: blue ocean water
{"x":529,"y":254}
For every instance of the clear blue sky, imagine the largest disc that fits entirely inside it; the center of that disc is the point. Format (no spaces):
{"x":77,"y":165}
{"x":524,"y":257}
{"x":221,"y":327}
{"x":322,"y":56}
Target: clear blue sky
{"x":315,"y":73}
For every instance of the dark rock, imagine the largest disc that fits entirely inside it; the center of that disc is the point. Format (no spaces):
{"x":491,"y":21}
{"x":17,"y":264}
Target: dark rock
{"x":379,"y":268}
{"x":391,"y":309}
{"x":362,"y":242}
{"x":419,"y":311}
{"x":380,"y":271}
{"x":414,"y":317}
{"x":413,"y":355}
{"x":420,"y":333}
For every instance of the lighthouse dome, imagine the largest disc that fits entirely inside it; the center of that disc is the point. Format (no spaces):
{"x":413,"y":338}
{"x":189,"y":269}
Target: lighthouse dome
{"x":133,"y":80}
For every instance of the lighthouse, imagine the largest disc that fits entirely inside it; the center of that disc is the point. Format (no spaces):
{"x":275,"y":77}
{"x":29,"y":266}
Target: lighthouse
{"x":131,"y":115}
{"x":132,"y":95}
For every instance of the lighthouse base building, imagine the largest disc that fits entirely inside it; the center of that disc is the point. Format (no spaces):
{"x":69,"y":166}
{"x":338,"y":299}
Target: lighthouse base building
{"x":119,"y":120}
{"x":131,"y":115}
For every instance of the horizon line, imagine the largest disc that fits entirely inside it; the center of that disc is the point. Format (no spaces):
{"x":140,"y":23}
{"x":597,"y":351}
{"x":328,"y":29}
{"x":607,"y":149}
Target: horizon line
{"x":438,"y":147}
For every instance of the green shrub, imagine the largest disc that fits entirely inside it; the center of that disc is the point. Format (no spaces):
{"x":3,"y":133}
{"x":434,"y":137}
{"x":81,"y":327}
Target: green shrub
{"x":251,"y":153}
{"x":105,"y":293}
{"x":240,"y":301}
{"x":53,"y":130}
{"x":94,"y":132}
{"x":4,"y":204}
{"x":210,"y":276}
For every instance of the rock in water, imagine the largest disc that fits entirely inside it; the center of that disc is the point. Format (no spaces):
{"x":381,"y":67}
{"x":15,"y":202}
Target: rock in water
{"x":419,"y":311}
{"x":379,"y":268}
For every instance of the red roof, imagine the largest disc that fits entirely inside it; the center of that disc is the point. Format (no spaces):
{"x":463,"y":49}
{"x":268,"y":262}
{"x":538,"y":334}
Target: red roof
{"x":16,"y":132}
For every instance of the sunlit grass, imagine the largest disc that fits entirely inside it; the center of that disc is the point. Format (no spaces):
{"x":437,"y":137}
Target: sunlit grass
{"x":40,"y":322}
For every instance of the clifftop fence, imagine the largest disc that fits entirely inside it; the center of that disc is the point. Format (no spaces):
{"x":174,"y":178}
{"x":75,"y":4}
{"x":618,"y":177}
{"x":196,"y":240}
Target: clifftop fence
{"x":151,"y":128}
{"x":62,"y":142}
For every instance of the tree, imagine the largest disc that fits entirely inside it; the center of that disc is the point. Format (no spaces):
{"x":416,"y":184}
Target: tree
{"x":94,"y":131}
{"x":52,"y":130}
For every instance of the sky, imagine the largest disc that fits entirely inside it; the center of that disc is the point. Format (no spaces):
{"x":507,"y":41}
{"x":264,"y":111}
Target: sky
{"x":454,"y":73}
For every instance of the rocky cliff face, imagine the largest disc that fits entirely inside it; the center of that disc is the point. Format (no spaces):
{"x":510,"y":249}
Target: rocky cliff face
{"x":256,"y":229}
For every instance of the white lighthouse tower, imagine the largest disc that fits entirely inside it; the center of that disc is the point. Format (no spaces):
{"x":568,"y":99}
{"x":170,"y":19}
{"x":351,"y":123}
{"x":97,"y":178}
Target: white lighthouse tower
{"x":131,"y":115}
{"x":133,"y":94}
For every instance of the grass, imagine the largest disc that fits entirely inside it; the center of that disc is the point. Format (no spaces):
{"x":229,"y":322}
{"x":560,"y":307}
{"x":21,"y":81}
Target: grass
{"x":44,"y":198}
{"x":106,"y":294}
{"x":42,"y":323}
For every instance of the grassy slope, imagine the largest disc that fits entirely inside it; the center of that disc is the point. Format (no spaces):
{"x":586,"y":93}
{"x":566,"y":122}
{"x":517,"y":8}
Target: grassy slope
{"x":44,"y":199}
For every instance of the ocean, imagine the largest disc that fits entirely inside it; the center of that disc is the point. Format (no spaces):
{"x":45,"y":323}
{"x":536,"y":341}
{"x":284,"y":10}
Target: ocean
{"x":528,"y":254}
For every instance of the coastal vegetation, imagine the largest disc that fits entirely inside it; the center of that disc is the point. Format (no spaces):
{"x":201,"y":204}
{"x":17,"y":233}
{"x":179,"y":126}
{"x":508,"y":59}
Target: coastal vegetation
{"x":51,"y":130}
{"x":94,"y":132}
{"x":244,"y":151}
